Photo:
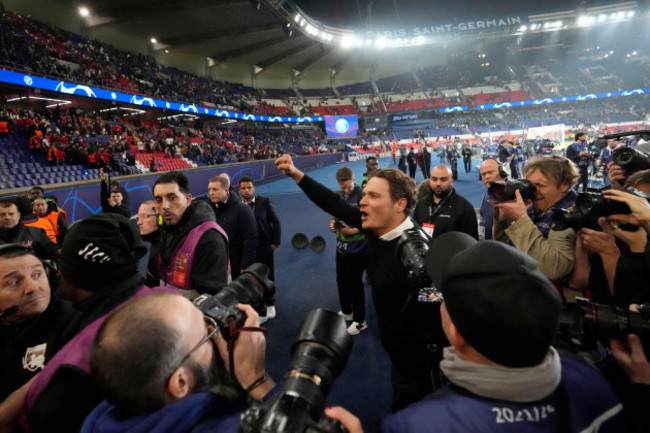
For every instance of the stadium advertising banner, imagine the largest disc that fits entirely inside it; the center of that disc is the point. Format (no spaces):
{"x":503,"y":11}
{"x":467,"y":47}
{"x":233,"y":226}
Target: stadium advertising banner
{"x":429,"y":29}
{"x":35,"y":82}
{"x":341,"y":126}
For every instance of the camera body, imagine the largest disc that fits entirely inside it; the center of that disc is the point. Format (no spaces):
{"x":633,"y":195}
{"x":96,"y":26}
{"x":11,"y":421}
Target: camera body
{"x":319,"y":353}
{"x":588,"y":208}
{"x":249,"y":288}
{"x":499,"y":192}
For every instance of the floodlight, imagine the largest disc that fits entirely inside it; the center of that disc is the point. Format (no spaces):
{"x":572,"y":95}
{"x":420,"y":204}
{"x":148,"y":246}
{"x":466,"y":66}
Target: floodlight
{"x":630,"y":14}
{"x":297,"y":18}
{"x":84,"y":12}
{"x":153,"y":40}
{"x":634,"y":53}
{"x":602,"y":18}
{"x":620,"y":15}
{"x":523,"y":28}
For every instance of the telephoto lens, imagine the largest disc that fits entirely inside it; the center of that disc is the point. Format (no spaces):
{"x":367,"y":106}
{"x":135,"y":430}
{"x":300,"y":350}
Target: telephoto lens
{"x":319,"y":353}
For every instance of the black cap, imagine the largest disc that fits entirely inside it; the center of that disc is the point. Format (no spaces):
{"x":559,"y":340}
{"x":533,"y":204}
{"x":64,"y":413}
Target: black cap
{"x":101,"y":250}
{"x":497,"y":298}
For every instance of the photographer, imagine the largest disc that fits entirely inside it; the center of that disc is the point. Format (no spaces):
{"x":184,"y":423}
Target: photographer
{"x":529,"y":226}
{"x":410,"y":332}
{"x":633,"y":269}
{"x":163,"y":365}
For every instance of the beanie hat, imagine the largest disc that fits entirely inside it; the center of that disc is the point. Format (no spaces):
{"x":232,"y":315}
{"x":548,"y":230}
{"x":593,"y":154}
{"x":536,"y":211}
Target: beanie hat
{"x":496,"y":297}
{"x":101,"y":250}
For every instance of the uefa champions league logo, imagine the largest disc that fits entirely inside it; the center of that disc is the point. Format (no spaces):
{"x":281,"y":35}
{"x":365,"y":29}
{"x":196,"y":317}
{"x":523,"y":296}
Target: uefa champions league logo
{"x":73,"y":90}
{"x":28,"y":80}
{"x":142,"y":101}
{"x":342,"y":126}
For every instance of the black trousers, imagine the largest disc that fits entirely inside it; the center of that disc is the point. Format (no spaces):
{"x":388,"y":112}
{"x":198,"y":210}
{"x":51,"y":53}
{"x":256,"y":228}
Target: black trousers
{"x":584,"y":178}
{"x":349,"y":279}
{"x":468,"y":164}
{"x":265,"y":255}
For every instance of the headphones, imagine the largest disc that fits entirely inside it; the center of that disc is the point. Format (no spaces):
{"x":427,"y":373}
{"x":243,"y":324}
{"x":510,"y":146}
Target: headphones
{"x":502,"y":171}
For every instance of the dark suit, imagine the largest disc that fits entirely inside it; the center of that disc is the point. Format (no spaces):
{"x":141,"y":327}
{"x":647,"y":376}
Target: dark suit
{"x":268,"y":231}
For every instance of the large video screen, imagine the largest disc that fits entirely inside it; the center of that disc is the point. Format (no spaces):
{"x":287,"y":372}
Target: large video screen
{"x":341,"y":126}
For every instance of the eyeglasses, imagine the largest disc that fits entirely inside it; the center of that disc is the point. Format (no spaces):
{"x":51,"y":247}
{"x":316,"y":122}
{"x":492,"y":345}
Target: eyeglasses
{"x":212,"y":330}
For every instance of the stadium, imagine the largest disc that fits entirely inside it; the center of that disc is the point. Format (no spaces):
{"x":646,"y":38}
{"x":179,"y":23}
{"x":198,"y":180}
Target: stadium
{"x":137,"y":88}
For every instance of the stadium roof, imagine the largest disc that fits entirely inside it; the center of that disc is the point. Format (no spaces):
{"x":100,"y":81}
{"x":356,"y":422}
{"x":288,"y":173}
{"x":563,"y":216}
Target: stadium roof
{"x":258,"y":35}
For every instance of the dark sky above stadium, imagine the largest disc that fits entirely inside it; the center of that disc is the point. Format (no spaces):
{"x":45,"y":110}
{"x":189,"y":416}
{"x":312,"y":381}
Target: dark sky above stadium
{"x":354,"y":13}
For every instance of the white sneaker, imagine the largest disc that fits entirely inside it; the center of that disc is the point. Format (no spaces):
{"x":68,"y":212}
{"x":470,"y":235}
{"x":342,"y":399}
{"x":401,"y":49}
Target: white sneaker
{"x":261,"y":320}
{"x":347,"y":317}
{"x":357,"y":327}
{"x":270,"y":312}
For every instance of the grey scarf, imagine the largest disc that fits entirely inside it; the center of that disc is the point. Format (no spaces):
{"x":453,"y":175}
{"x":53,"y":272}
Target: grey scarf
{"x":519,"y":385}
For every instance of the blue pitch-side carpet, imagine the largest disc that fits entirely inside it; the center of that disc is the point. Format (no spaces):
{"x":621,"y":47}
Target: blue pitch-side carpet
{"x":306,"y":280}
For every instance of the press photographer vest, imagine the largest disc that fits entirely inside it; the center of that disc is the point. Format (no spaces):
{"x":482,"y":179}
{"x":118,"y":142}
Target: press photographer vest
{"x":179,"y":266}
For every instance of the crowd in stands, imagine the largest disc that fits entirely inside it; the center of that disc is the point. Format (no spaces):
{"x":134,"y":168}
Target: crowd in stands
{"x":42,"y":49}
{"x":64,"y":136}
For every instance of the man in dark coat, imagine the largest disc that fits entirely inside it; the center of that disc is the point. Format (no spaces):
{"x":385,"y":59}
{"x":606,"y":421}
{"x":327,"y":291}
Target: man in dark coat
{"x":237,"y":220}
{"x":268,"y":233}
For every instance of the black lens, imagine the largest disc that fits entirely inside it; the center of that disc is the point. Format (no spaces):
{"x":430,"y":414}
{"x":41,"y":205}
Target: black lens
{"x":623,"y":156}
{"x":412,"y":248}
{"x":595,"y":205}
{"x":498,"y":192}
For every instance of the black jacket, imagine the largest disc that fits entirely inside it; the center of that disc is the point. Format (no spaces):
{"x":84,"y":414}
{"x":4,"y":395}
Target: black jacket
{"x":238,"y":221}
{"x":210,"y":267}
{"x":23,"y":344}
{"x":404,"y":334}
{"x":268,"y":224}
{"x":44,"y":248}
{"x":122,"y":209}
{"x":456,"y":214}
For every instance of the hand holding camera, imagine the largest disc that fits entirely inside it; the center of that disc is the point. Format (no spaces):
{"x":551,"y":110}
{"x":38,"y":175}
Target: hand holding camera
{"x":639,"y":207}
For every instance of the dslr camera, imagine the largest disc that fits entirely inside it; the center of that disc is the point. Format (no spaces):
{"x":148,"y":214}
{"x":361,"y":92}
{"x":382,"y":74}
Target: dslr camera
{"x":249,"y":288}
{"x":589,"y":207}
{"x":319,"y":353}
{"x":499,"y":192}
{"x":583,"y":323}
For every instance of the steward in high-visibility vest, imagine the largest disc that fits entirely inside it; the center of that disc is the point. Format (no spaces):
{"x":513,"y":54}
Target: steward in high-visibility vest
{"x":52,"y":222}
{"x":35,"y":144}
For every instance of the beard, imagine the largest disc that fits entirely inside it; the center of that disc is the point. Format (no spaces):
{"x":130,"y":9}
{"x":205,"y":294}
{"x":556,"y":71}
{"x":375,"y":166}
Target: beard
{"x":442,"y":193}
{"x":215,"y":378}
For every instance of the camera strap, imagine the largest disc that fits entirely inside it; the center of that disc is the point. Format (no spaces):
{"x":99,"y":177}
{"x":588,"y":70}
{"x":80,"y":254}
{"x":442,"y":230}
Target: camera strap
{"x":233,"y":334}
